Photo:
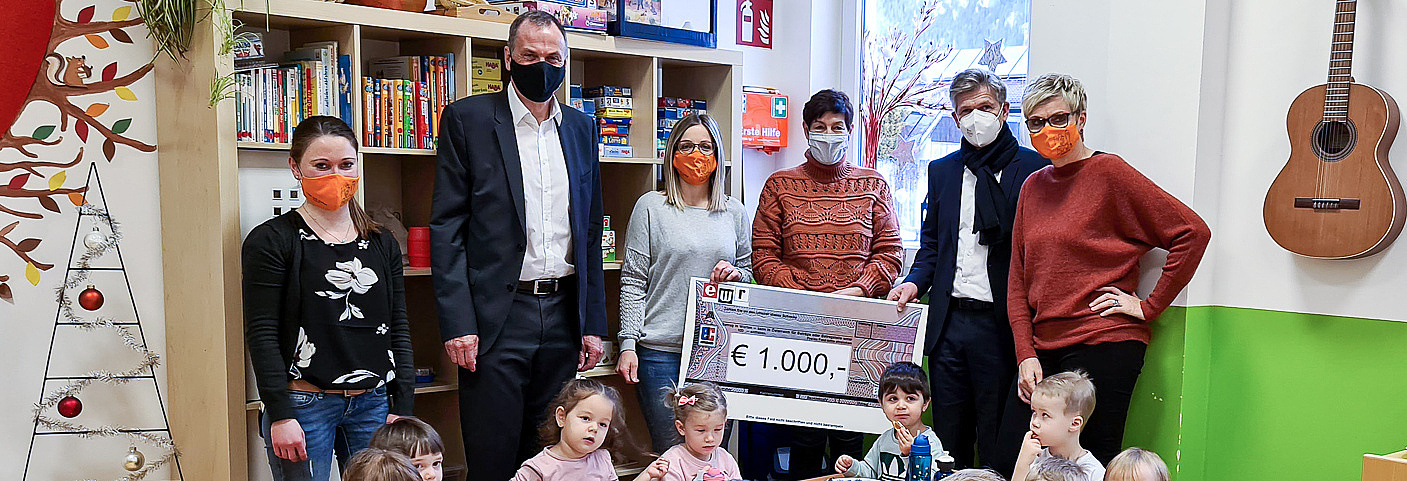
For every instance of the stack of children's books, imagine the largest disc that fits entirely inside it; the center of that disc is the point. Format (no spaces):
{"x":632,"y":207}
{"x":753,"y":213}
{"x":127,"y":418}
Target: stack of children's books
{"x":274,"y":95}
{"x":402,"y":98}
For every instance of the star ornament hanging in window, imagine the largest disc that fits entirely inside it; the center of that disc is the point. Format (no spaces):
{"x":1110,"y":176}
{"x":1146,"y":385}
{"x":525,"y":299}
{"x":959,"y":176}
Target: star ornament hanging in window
{"x":992,"y":55}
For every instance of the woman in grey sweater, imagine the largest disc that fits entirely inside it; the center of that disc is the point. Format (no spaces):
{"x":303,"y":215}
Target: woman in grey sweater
{"x":691,"y":229}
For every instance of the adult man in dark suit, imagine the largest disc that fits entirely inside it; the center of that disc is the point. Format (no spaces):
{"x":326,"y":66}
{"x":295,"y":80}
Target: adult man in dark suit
{"x":963,"y":258}
{"x":516,"y":249}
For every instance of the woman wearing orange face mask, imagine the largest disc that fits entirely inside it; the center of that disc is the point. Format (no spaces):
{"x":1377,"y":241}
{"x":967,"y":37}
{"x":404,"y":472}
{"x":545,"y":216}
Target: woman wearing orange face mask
{"x":324,"y":309}
{"x":1081,"y":227}
{"x":691,"y":229}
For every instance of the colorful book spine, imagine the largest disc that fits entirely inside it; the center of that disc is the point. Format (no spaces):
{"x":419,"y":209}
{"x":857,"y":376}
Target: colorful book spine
{"x":398,"y":112}
{"x":380,"y":115}
{"x":344,"y":87}
{"x":449,"y":80}
{"x":292,"y":110}
{"x":441,"y":63}
{"x":388,"y":104}
{"x":422,"y":119}
{"x":368,"y":114}
{"x":408,"y":114}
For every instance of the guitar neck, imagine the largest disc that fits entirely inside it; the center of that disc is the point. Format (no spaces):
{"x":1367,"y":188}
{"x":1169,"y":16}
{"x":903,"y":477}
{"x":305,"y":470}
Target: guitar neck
{"x":1340,"y":61}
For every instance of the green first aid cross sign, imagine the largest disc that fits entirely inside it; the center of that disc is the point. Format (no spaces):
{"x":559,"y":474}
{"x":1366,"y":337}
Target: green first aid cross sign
{"x":779,"y":107}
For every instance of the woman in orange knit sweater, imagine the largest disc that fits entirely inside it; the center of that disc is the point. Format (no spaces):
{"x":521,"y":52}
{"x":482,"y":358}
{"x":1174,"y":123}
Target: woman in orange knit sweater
{"x":827,"y":226}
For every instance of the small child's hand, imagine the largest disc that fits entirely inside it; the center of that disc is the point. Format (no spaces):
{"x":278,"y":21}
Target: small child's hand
{"x":905,"y":438}
{"x":1030,"y":447}
{"x":657,"y":469}
{"x":843,"y":463}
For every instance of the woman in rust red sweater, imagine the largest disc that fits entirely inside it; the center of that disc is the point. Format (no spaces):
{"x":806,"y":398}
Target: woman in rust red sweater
{"x":828,"y":226}
{"x":1081,"y":226}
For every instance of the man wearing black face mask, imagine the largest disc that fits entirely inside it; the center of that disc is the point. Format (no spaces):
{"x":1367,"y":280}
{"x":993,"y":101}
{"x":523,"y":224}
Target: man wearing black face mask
{"x":962,"y":261}
{"x":516,"y":246}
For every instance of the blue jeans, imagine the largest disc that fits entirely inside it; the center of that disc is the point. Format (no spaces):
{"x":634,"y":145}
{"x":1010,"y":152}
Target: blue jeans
{"x":327,"y":420}
{"x":658,"y":370}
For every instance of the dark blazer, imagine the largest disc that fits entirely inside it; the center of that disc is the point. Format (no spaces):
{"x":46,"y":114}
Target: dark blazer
{"x":477,"y":234}
{"x":935,"y":264}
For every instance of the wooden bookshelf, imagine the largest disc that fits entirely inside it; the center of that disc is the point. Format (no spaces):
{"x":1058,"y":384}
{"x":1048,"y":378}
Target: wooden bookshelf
{"x":202,"y":162}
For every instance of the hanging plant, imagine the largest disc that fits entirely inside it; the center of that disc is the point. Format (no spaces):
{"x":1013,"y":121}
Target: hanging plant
{"x":171,"y":23}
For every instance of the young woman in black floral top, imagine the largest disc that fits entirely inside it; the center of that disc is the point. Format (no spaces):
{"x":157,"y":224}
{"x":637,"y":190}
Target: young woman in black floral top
{"x":324,"y":309}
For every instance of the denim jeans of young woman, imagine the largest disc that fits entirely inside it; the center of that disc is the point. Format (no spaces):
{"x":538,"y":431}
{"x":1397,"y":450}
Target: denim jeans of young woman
{"x":658,"y":370}
{"x":327,"y":420}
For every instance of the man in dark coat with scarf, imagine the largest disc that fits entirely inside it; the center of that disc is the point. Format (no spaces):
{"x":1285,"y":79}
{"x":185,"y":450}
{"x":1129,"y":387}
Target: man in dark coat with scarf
{"x":962,"y":262}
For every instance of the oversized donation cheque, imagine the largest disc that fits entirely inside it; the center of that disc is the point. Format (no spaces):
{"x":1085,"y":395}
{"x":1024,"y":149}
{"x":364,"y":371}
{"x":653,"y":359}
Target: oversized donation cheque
{"x":786,"y":356}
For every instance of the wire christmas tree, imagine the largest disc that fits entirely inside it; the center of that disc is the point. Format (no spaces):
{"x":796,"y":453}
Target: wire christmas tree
{"x":59,"y":421}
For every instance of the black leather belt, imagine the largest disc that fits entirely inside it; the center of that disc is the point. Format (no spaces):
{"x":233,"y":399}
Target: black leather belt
{"x":965,"y":304}
{"x":541,"y":287}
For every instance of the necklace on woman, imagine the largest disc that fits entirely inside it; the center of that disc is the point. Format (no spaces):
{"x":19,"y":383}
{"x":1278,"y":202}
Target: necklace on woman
{"x":351,"y":230}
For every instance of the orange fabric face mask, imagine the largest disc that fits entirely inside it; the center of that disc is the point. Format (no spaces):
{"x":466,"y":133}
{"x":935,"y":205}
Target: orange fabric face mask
{"x":1053,"y":143}
{"x":695,"y":167}
{"x":331,"y":191}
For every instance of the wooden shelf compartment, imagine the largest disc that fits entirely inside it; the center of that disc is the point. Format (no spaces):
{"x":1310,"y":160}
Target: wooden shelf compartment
{"x":440,"y":385}
{"x":290,"y":14}
{"x":593,"y":69}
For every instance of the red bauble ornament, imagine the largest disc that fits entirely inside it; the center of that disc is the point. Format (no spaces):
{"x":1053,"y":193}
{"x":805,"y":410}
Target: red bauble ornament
{"x":91,"y":299}
{"x":70,"y":406}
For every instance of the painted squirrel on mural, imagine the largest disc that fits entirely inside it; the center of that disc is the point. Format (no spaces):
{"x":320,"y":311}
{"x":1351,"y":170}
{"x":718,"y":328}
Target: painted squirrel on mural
{"x":68,"y":70}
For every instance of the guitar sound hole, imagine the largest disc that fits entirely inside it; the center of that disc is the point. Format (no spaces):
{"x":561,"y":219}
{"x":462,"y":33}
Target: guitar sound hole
{"x":1334,"y":139}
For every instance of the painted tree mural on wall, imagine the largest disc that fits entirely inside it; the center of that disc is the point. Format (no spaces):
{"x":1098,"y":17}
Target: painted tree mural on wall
{"x":72,"y":95}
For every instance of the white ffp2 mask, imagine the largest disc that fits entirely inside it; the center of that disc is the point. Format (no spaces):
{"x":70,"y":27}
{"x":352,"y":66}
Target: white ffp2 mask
{"x":828,"y":149}
{"x":980,"y":128}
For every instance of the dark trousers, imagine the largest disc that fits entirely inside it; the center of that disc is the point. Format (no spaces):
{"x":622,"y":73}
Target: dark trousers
{"x":808,"y":450}
{"x":970,"y":372}
{"x":1113,"y":367}
{"x":503,"y":403}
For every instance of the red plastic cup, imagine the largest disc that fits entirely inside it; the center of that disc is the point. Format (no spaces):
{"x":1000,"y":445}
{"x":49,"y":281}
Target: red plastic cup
{"x":419,"y":247}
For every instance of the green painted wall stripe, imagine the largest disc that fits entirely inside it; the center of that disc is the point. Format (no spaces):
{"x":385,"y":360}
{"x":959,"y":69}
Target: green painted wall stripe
{"x":1270,"y":395}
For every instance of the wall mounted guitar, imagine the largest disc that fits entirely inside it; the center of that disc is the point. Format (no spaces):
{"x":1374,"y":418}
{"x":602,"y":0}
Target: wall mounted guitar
{"x":1337,"y":197}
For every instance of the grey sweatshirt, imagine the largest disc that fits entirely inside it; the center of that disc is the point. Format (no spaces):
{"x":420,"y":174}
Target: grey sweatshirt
{"x":664,"y":247}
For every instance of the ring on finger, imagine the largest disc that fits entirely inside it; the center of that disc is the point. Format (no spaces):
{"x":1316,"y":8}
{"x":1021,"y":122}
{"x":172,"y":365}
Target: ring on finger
{"x":1116,"y":303}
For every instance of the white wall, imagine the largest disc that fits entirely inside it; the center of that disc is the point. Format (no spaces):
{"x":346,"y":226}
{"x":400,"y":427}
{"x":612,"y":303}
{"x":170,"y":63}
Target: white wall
{"x":811,"y":42}
{"x":1272,"y":59}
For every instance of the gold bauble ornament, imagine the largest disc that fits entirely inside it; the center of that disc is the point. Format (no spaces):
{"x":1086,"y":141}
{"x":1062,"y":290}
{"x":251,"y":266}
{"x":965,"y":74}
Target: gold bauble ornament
{"x":134,"y":460}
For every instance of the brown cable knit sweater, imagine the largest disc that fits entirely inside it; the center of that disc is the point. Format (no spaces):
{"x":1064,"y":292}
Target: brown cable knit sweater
{"x":826,"y":228}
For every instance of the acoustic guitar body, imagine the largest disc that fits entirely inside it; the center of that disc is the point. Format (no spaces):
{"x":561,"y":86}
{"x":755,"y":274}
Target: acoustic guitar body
{"x":1337,"y":196}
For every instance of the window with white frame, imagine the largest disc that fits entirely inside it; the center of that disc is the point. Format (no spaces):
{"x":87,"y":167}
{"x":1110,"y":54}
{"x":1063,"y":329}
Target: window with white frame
{"x":911,"y":50}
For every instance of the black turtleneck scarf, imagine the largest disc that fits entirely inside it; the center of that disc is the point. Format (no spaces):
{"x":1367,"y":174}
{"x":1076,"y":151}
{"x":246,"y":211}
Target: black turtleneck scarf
{"x":994,"y":217}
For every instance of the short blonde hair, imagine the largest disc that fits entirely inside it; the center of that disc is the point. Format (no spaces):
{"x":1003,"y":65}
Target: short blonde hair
{"x":1055,"y":468}
{"x":1072,"y":386}
{"x":717,"y":202}
{"x":975,"y":475}
{"x":1054,"y":85}
{"x":374,"y":464}
{"x":1126,"y":465}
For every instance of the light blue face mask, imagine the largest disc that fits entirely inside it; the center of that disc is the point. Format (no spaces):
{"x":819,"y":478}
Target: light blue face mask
{"x":828,"y":149}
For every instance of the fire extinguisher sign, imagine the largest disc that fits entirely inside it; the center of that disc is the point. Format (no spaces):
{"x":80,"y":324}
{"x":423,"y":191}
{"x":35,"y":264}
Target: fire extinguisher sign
{"x":755,"y":23}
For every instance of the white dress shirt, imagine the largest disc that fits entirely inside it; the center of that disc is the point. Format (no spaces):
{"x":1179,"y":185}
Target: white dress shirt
{"x":971,"y":280}
{"x":546,"y":197}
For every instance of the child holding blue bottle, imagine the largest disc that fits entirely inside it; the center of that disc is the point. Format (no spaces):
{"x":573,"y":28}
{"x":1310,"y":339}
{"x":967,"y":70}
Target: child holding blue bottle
{"x":904,"y":396}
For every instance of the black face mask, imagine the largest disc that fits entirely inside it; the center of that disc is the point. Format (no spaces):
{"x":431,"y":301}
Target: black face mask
{"x":537,"y":81}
